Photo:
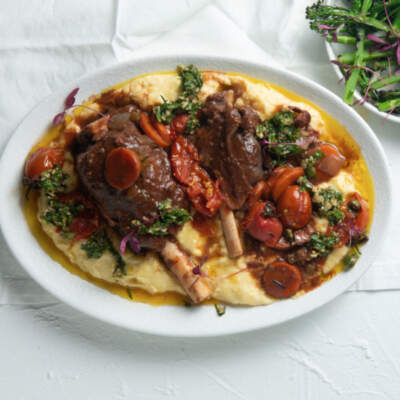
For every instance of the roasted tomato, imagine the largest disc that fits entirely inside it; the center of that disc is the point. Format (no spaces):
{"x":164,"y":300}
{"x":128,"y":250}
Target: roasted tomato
{"x":294,"y":207}
{"x":164,"y":131}
{"x":88,"y":220}
{"x":145,"y":124}
{"x":179,"y":123}
{"x":360,"y":213}
{"x":259,"y":190}
{"x":286,"y":178}
{"x":122,"y":168}
{"x":281,"y":280}
{"x":201,"y":190}
{"x":42,"y":160}
{"x":329,"y":165}
{"x":263,"y":228}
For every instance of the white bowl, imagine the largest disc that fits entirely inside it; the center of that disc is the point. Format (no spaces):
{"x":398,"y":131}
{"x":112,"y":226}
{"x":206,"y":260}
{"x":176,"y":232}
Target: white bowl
{"x":336,"y":48}
{"x":171,"y":320}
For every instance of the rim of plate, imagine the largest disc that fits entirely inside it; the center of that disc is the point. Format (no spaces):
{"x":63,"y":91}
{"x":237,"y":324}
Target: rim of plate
{"x":177,"y":321}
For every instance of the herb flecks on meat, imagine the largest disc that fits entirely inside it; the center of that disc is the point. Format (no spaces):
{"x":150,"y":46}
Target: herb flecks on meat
{"x":187,"y":102}
{"x":279,"y":135}
{"x":98,"y":244}
{"x":168,"y":215}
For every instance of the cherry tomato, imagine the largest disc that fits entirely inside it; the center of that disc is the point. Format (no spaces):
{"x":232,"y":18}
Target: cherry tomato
{"x":275,"y":175}
{"x":353,"y":223}
{"x":201,"y":190}
{"x":285,"y":179}
{"x":342,"y":230}
{"x":42,"y":160}
{"x":281,"y":280}
{"x":265,"y":229}
{"x":294,"y":207}
{"x":165,"y":131}
{"x":122,"y":168}
{"x":179,"y":123}
{"x":362,"y":218}
{"x":329,"y":165}
{"x":151,"y":132}
{"x":257,"y":192}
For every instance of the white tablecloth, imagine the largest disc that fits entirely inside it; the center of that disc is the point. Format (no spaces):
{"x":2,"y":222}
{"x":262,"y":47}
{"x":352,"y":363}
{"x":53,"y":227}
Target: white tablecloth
{"x":57,"y":350}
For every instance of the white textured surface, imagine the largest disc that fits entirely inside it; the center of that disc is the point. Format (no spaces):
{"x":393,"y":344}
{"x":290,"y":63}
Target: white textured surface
{"x":349,"y":349}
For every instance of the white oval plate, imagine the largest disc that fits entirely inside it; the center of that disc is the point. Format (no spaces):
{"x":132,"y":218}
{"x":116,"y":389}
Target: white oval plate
{"x":171,"y":320}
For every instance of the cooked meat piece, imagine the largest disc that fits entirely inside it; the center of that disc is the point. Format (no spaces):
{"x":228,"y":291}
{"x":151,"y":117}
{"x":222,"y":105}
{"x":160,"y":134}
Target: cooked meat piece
{"x":228,"y":148}
{"x":299,"y":256}
{"x":302,"y":118}
{"x":154,"y":185}
{"x":303,"y":235}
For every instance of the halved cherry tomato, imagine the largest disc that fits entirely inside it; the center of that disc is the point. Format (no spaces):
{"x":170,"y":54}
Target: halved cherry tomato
{"x":151,"y":132}
{"x":179,"y":123}
{"x":122,"y":168}
{"x":265,"y":229}
{"x":201,"y":190}
{"x":275,"y":175}
{"x":87,"y":221}
{"x":43,"y":159}
{"x":294,"y":207}
{"x":165,"y":131}
{"x":281,"y":280}
{"x":329,"y":165}
{"x":285,"y":179}
{"x":362,"y":218}
{"x":256,"y":194}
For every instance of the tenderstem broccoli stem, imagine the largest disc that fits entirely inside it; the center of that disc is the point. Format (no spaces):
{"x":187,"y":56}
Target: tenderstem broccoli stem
{"x":388,"y":105}
{"x":351,"y":83}
{"x":339,"y":13}
{"x":385,"y":82}
{"x":349,"y":58}
{"x":342,"y":39}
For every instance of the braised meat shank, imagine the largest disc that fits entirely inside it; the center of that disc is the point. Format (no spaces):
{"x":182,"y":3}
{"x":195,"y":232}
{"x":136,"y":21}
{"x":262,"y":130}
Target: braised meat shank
{"x":228,"y":148}
{"x":154,"y":185}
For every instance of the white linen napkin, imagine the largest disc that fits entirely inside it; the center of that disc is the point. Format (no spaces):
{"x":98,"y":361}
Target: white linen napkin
{"x":256,"y":30}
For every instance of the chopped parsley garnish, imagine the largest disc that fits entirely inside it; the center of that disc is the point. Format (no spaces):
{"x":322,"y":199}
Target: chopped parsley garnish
{"x":334,"y":216}
{"x":61,"y":214}
{"x":327,"y":202}
{"x":220,"y":309}
{"x":168,"y":215}
{"x":58,"y":213}
{"x":280,"y":136}
{"x":52,"y":181}
{"x":322,"y":245}
{"x":187,"y":102}
{"x":98,"y":244}
{"x":305,"y":184}
{"x":308,"y":163}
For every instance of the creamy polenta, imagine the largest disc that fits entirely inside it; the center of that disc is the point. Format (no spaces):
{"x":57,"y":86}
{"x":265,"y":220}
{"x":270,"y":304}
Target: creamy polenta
{"x":230,"y":279}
